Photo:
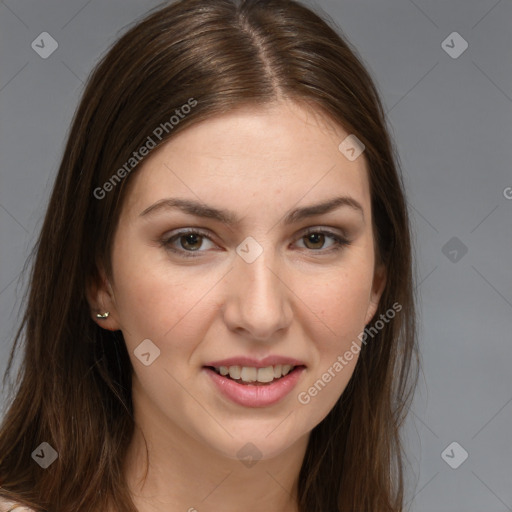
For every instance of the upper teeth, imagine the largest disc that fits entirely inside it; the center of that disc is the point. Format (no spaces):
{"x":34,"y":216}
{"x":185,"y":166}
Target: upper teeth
{"x":251,"y":374}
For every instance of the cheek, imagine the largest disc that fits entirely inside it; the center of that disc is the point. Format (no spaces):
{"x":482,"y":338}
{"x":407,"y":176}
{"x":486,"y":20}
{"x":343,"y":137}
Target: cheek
{"x":338,"y":311}
{"x":166,"y":304}
{"x":338,"y":304}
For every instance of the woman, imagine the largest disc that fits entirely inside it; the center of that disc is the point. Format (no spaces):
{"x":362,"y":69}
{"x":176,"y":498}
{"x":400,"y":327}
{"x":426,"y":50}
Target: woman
{"x":221,"y":311}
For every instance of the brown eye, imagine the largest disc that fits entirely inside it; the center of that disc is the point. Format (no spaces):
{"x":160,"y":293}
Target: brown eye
{"x":316,"y":240}
{"x":185,"y":243}
{"x":191,"y":241}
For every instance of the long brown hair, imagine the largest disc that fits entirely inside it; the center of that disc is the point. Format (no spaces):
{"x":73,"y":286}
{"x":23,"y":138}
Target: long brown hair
{"x":74,"y":384}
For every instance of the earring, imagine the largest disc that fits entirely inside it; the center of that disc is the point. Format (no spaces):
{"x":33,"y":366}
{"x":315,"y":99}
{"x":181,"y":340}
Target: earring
{"x":102,"y":315}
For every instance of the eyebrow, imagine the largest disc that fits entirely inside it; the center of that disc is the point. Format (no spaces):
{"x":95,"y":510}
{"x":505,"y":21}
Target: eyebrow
{"x":199,"y":209}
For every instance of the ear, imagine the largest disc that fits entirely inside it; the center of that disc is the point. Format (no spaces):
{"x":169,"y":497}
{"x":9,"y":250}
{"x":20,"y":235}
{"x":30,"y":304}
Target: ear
{"x":378,"y":285}
{"x":101,"y":299}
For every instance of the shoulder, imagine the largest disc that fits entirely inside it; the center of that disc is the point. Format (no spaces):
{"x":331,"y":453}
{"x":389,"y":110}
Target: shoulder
{"x":8,"y":506}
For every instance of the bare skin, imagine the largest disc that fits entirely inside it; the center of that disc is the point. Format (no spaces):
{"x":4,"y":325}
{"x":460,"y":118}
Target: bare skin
{"x":298,"y":298}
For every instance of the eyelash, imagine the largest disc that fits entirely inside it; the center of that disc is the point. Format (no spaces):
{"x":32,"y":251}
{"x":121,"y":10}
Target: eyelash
{"x":340,"y":242}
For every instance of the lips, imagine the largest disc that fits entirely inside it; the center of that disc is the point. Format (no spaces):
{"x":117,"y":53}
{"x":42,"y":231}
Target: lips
{"x":255,"y":394}
{"x":244,"y":369}
{"x":255,"y":363}
{"x":249,"y":374}
{"x":252,"y":382}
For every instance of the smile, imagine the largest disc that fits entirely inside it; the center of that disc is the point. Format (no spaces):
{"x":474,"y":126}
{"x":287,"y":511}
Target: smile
{"x":249,"y":374}
{"x":246,"y":386}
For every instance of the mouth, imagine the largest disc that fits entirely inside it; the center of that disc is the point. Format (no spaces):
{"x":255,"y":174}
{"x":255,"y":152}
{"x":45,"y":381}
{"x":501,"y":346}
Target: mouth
{"x":251,"y":376}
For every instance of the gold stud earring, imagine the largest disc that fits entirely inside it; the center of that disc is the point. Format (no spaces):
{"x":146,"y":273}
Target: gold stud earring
{"x":102,"y":315}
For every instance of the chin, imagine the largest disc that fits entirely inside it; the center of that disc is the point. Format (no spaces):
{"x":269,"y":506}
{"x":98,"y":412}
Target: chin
{"x":254,"y":444}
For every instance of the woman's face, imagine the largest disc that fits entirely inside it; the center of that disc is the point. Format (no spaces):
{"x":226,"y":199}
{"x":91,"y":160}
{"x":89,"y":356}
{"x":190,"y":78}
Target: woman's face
{"x":251,"y":286}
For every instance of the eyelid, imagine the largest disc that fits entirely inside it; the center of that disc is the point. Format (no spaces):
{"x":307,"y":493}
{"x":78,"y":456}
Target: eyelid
{"x":166,"y":240}
{"x":340,"y":239}
{"x":325,"y":229}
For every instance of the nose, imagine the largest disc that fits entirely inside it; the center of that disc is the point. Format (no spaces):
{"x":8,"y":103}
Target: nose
{"x":257,"y":303}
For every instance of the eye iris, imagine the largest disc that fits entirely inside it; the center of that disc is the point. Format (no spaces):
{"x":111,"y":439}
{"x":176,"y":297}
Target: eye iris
{"x":315,"y":238}
{"x":192,"y":239}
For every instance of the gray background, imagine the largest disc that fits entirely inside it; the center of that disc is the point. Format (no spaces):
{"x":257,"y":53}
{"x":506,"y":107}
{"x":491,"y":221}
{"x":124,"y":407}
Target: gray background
{"x":451,"y":119}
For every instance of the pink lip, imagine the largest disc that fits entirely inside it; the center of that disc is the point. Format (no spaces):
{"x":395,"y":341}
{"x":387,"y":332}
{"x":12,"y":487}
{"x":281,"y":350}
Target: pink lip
{"x":250,"y":395}
{"x":256,"y":363}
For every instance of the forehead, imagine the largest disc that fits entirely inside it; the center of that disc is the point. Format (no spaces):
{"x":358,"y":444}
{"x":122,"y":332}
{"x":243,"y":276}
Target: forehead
{"x":285,"y":153}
